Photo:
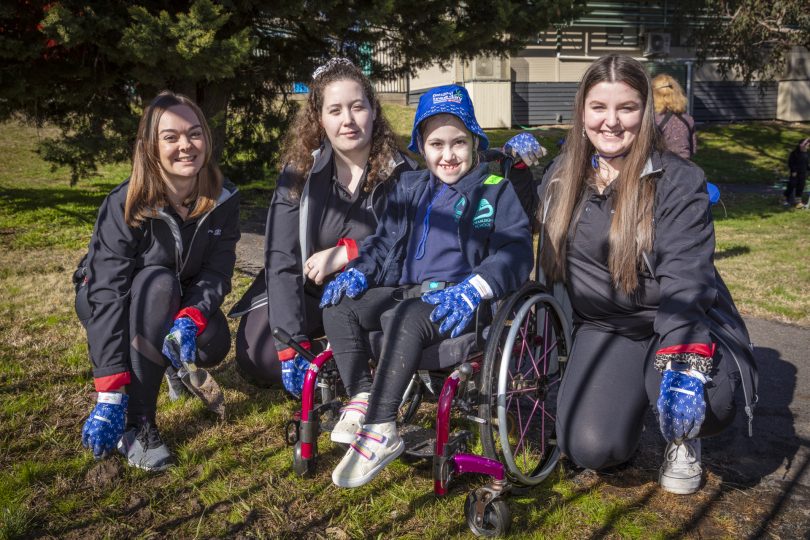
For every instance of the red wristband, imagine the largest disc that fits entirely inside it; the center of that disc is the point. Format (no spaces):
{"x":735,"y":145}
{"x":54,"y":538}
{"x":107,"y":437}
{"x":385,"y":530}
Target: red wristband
{"x":289,"y":353}
{"x":196,"y":316}
{"x":112,"y":382}
{"x":351,"y":247}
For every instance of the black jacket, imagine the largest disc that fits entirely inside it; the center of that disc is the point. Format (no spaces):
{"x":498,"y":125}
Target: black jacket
{"x":116,"y":253}
{"x":679,"y":282}
{"x":291,"y":225}
{"x":493,"y":231}
{"x":798,"y":163}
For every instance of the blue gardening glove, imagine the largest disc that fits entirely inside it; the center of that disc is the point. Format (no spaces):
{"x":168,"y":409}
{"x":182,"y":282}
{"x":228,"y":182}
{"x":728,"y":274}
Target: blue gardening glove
{"x":292,"y":374}
{"x":352,"y":282}
{"x":455,"y":305}
{"x":105,"y":425}
{"x":526,"y":147}
{"x":180,"y":344}
{"x":681,"y":407}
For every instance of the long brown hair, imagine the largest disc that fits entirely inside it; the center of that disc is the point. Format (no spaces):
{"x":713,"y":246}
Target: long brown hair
{"x":306,"y":134}
{"x":148,"y":183}
{"x":631,"y":229}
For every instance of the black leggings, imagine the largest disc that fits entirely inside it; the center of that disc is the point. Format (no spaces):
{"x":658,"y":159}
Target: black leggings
{"x":256,"y":353}
{"x":608,"y":385}
{"x":407,"y":329}
{"x":154,"y":301}
{"x":794,"y":188}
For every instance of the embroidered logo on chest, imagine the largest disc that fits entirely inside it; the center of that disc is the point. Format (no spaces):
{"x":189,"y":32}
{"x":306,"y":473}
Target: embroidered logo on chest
{"x":484,"y":214}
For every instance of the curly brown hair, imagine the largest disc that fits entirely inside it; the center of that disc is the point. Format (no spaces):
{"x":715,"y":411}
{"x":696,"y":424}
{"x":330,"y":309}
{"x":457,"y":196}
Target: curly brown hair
{"x":306,"y":133}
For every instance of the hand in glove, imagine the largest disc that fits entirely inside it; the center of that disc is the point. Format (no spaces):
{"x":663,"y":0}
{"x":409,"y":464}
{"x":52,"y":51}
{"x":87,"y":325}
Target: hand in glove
{"x":456,"y":305}
{"x":526,"y":147}
{"x":292,"y":374}
{"x":105,"y":425}
{"x":180,"y":344}
{"x":681,"y":406}
{"x":352,"y":282}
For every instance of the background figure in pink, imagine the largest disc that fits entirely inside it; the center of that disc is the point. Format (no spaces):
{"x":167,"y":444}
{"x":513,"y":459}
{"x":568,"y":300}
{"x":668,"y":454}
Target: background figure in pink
{"x":677,"y":126}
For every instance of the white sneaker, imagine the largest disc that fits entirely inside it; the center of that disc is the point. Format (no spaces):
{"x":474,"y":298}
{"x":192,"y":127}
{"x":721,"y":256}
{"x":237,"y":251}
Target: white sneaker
{"x":375,"y":446}
{"x":351,"y":419}
{"x":681,"y":472}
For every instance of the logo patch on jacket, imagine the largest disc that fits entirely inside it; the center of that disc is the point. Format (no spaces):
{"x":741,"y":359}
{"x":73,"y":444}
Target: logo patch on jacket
{"x":215,"y":232}
{"x":484,"y":214}
{"x":458,"y":209}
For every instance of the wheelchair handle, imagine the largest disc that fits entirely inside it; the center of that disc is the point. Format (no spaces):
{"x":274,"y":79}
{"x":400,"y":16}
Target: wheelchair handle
{"x":285,"y":338}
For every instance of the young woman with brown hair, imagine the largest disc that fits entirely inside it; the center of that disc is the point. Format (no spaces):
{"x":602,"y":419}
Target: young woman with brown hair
{"x":158,"y":266}
{"x":627,"y":232}
{"x":339,"y":161}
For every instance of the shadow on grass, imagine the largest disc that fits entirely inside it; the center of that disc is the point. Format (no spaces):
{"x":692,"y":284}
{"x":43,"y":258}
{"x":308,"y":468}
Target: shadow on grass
{"x":78,"y":204}
{"x":733,"y":251}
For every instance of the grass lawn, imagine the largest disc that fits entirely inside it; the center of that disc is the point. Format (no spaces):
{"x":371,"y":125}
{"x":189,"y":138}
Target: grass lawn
{"x":234,"y":479}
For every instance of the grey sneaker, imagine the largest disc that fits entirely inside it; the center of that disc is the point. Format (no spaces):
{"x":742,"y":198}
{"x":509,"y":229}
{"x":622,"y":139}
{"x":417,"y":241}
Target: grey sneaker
{"x":176,"y":387}
{"x":142,"y":446}
{"x":681,"y":472}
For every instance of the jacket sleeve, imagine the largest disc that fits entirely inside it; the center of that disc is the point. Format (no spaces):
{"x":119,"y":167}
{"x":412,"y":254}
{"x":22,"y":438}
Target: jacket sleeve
{"x":375,"y":248}
{"x":525,"y":186}
{"x":684,"y":258}
{"x":210,"y":286}
{"x":110,"y":268}
{"x":283,"y":261}
{"x":509,"y":261}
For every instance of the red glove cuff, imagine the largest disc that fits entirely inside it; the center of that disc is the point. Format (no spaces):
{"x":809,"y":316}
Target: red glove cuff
{"x":112,"y":382}
{"x":697,"y":348}
{"x":520,"y":165}
{"x":289,"y":353}
{"x":196,"y":316}
{"x":351,"y":247}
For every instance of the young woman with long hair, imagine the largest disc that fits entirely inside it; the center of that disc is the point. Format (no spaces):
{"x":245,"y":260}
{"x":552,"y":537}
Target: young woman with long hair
{"x":150,"y":288}
{"x":628,"y":237}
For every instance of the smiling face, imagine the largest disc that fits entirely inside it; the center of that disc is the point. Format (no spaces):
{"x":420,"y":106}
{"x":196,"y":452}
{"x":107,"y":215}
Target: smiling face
{"x":448,"y":147}
{"x":181,"y":143}
{"x":347,"y":116}
{"x":612,"y":117}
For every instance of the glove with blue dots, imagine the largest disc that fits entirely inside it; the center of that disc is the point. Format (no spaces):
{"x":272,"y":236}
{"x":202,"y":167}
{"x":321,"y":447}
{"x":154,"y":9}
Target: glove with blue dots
{"x":456,"y":305}
{"x":526,"y":147}
{"x":105,"y":425}
{"x":293,"y":372}
{"x":352,"y":282}
{"x":681,"y":406}
{"x":180,"y":344}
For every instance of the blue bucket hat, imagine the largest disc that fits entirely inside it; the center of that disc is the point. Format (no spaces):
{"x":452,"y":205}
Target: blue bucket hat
{"x":451,"y":99}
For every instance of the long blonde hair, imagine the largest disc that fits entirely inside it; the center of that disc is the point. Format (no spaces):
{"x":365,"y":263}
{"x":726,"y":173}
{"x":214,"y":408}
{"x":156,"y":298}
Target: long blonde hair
{"x":148,"y":183}
{"x":668,"y":95}
{"x":306,"y":133}
{"x":631,"y":229}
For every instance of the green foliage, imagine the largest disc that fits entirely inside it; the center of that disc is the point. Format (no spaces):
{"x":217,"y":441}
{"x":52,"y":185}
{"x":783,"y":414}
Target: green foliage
{"x":89,"y":66}
{"x":751,"y":38}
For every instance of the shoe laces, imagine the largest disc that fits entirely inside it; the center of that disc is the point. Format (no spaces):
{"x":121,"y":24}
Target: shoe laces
{"x":685,"y":458}
{"x":148,"y":435}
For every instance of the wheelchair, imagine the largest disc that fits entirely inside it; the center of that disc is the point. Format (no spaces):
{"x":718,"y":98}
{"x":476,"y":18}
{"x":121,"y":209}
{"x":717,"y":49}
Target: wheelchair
{"x":504,"y":380}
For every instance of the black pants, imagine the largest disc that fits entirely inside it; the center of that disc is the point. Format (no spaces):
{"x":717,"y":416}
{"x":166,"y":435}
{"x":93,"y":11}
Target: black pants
{"x":608,"y":385}
{"x":407,"y":329}
{"x":795,"y":188}
{"x":154,"y":301}
{"x":256,"y":353}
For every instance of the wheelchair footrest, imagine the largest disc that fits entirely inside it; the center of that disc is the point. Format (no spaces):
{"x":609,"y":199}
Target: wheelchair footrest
{"x":419,"y":442}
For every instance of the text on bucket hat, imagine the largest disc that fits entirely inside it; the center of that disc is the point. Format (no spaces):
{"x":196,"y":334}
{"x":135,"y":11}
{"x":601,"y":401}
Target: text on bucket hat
{"x":450,"y":99}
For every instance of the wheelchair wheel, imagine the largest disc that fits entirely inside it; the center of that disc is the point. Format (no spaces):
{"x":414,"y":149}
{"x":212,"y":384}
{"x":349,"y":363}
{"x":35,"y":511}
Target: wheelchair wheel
{"x":493,"y":521}
{"x":524,"y":360}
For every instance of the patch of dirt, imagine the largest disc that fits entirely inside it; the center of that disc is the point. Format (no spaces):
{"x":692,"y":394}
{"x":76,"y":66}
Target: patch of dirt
{"x":103,"y":473}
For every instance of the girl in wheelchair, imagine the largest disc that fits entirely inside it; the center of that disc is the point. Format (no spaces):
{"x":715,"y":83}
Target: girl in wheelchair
{"x":452,"y":236}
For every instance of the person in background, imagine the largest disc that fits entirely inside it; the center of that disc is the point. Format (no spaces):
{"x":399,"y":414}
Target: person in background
{"x":675,"y":124}
{"x":798,"y":165}
{"x":158,"y":267}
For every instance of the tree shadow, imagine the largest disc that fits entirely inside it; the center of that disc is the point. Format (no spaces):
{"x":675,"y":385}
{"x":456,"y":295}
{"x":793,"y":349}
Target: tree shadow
{"x":733,"y":251}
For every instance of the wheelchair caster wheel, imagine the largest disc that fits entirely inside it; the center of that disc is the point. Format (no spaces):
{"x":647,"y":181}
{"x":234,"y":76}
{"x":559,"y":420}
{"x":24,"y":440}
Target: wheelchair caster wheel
{"x":303,"y":467}
{"x":486,"y":516}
